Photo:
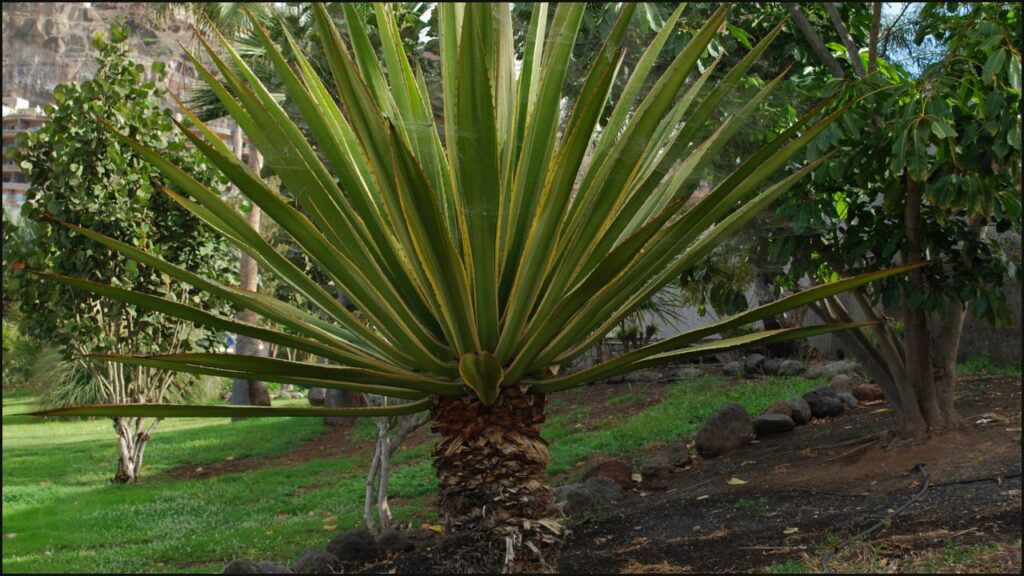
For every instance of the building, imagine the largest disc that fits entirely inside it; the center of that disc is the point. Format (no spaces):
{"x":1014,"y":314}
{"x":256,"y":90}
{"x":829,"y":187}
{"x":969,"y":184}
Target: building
{"x":18,"y":117}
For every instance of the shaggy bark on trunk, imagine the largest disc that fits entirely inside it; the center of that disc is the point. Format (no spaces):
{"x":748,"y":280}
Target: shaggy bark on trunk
{"x":132,"y":439}
{"x":499,"y":513}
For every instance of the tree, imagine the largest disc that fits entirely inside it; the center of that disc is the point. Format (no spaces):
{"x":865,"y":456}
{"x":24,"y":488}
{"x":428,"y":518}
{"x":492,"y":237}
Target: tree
{"x":935,"y":165}
{"x":930,"y":164}
{"x":475,"y":269}
{"x":83,"y":182}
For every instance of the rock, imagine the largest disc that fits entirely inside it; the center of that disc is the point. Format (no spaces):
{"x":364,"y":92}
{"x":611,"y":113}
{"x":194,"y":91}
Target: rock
{"x":832,"y":368}
{"x":800,"y":410}
{"x":726,"y":430}
{"x":424,"y":538}
{"x":267,"y":567}
{"x":316,"y":561}
{"x":847,"y":399}
{"x":392,"y":541}
{"x":646,"y":376}
{"x":780,"y":407}
{"x":316,"y":396}
{"x":656,"y":470}
{"x":790,"y":368}
{"x":616,"y":470}
{"x":242,"y":567}
{"x":867,"y":392}
{"x":840,"y":383}
{"x":48,"y":44}
{"x":732,"y":368}
{"x":754,"y":363}
{"x":355,"y":545}
{"x":823,"y":402}
{"x":771,"y":365}
{"x":766,"y":424}
{"x":676,"y":453}
{"x":688,"y":373}
{"x":335,"y":398}
{"x":604,"y":489}
{"x":576,"y":501}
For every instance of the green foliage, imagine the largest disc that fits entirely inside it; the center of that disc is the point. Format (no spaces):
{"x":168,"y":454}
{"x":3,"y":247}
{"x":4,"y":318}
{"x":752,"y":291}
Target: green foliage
{"x":486,"y":260}
{"x":28,"y":364}
{"x":954,"y":130}
{"x":953,"y":125}
{"x":79,"y":174}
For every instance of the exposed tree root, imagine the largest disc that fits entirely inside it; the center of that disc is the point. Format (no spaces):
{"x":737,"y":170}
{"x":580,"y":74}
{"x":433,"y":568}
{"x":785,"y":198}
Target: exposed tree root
{"x":855,"y":450}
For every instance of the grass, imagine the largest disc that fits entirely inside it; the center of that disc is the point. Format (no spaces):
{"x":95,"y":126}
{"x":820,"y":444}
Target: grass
{"x":752,"y":506}
{"x":789,"y":567}
{"x":632,"y":397}
{"x":61,"y":515}
{"x":984,"y":366}
{"x":683,"y":411}
{"x":884,"y":556}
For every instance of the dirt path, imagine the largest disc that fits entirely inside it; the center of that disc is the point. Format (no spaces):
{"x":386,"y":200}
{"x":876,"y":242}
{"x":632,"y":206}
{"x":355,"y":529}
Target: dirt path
{"x":796,"y":497}
{"x":333,"y":443}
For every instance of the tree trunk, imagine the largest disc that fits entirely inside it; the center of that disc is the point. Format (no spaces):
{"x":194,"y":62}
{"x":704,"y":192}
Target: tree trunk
{"x":876,"y":23}
{"x":916,"y":337}
{"x":764,"y":294}
{"x":249,"y":392}
{"x":947,"y":346}
{"x":132,"y":440}
{"x":917,"y":373}
{"x":499,"y":513}
{"x":378,"y":478}
{"x":334,"y":398}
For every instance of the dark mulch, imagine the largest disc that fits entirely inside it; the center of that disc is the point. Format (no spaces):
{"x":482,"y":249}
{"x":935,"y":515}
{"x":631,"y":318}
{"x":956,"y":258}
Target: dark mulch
{"x":800,"y":493}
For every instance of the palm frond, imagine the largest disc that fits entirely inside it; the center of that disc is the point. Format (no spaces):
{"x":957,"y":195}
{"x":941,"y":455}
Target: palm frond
{"x":481,"y":252}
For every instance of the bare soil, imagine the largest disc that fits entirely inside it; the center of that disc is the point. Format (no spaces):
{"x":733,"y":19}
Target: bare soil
{"x":333,"y":443}
{"x":798,"y":497}
{"x":801,"y":495}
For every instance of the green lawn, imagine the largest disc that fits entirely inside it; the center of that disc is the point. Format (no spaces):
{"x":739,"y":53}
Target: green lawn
{"x":60,"y":514}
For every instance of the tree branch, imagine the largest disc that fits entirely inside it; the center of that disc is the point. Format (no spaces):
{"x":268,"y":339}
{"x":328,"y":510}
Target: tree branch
{"x":844,"y":35}
{"x":814,"y":39}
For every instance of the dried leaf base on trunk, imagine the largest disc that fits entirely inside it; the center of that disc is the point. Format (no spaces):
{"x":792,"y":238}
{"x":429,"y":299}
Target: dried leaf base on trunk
{"x":499,"y":513}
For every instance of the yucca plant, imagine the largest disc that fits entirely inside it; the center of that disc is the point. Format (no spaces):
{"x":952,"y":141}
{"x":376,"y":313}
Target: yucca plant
{"x":480,"y":257}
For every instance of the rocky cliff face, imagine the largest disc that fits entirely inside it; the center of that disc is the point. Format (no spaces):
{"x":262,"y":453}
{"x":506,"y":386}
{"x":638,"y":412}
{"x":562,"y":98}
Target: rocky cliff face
{"x":46,"y":44}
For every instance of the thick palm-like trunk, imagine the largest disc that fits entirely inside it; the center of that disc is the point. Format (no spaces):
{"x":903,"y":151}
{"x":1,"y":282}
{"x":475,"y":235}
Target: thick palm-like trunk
{"x":498,"y":511}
